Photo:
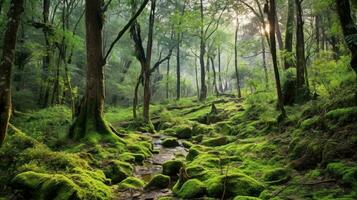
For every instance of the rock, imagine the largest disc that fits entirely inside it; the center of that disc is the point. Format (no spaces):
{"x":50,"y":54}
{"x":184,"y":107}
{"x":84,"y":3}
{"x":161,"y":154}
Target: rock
{"x":201,"y":129}
{"x":131,"y":183}
{"x":46,"y":186}
{"x":236,"y":184}
{"x":159,"y":181}
{"x":187,"y":144}
{"x":195,"y":171}
{"x":192,"y":188}
{"x":183,"y":132}
{"x":172,"y":167}
{"x":277,"y":176}
{"x":192,"y":154}
{"x":118,"y":171}
{"x":219,"y":141}
{"x":170,"y":142}
{"x":246,"y":198}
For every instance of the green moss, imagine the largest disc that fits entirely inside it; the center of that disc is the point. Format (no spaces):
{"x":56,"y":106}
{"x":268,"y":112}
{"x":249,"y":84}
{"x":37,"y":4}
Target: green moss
{"x":118,"y":171}
{"x":44,"y":186}
{"x":194,"y":171}
{"x":277,"y":176}
{"x":172,"y":167}
{"x":187,"y":144}
{"x":202,"y":129}
{"x":343,"y":115}
{"x":159,"y":181}
{"x":207,"y":160}
{"x":131,"y":183}
{"x":183,"y":132}
{"x":219,"y":141}
{"x":246,"y":198}
{"x":197,"y":138}
{"x":346,"y":172}
{"x":314,"y":122}
{"x":192,"y":188}
{"x":170,"y":142}
{"x":236,"y":184}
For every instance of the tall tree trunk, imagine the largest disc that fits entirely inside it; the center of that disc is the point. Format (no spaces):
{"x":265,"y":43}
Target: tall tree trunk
{"x":271,"y":17}
{"x":317,"y":33}
{"x":300,"y":47}
{"x":349,"y":28}
{"x":214,"y":77}
{"x":7,"y":59}
{"x":196,"y":75}
{"x":278,"y":34}
{"x":47,"y":59}
{"x":178,"y":68}
{"x":236,"y":59}
{"x":219,"y":71}
{"x":167,"y":78}
{"x":265,"y":62}
{"x":146,"y":69}
{"x":289,"y":34}
{"x":90,"y":117}
{"x":203,"y":92}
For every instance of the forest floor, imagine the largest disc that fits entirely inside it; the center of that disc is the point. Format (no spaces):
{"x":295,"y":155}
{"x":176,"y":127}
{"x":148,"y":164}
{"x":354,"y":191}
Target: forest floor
{"x":224,"y":148}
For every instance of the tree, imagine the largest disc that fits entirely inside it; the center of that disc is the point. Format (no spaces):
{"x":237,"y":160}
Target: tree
{"x":271,"y":11}
{"x":349,"y":29}
{"x":7,"y":59}
{"x":89,"y":118}
{"x":236,"y":58}
{"x":300,"y":48}
{"x":289,"y":34}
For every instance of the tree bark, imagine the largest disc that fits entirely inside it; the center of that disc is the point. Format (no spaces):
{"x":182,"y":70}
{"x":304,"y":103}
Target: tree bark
{"x":178,"y":68}
{"x":271,"y":17}
{"x":289,"y":34}
{"x":214,"y":77}
{"x":167,"y":79}
{"x":265,"y":62}
{"x":236,"y":59}
{"x":90,"y":119}
{"x":203,"y":92}
{"x":349,"y":29}
{"x":219,"y":71}
{"x":7,"y":59}
{"x":300,"y":47}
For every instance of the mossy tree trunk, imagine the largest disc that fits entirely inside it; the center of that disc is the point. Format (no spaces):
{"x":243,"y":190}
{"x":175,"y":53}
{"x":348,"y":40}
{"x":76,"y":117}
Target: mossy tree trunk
{"x":7,"y":59}
{"x":289,"y":34}
{"x":300,"y":47}
{"x":90,"y":120}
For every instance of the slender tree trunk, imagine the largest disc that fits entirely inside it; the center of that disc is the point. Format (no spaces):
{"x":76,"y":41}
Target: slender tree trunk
{"x":90,"y":117}
{"x":278,"y":34}
{"x":178,"y":68}
{"x":349,"y":28}
{"x":203,"y":92}
{"x":167,"y":79}
{"x":197,"y":84}
{"x":271,"y":16}
{"x":236,"y":59}
{"x":265,"y":63}
{"x":300,"y":47}
{"x":289,"y":34}
{"x":136,"y":91}
{"x":317,"y":33}
{"x":214,"y":77}
{"x":7,"y":59}
{"x":219,"y":71}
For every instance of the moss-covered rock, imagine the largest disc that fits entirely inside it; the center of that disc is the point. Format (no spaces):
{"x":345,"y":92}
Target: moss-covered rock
{"x":131,"y":183}
{"x":118,"y":171}
{"x":236,"y":184}
{"x":192,"y":188}
{"x":306,"y":154}
{"x":170,"y":142}
{"x":197,"y":138}
{"x":172,"y":167}
{"x":277,"y":176}
{"x":202,"y":129}
{"x":159,"y":181}
{"x":45,"y":186}
{"x":246,"y":198}
{"x":183,"y":132}
{"x":346,"y":172}
{"x":187,"y":144}
{"x":213,"y":142}
{"x":195,"y":171}
{"x":343,"y":115}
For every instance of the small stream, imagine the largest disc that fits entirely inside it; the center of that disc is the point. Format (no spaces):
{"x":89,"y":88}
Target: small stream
{"x":153,"y":166}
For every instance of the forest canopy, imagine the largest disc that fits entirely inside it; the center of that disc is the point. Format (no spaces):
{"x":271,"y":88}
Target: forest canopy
{"x":187,"y":99}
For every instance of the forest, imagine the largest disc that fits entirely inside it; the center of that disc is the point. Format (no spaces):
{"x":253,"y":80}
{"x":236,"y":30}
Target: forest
{"x":178,"y":99}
